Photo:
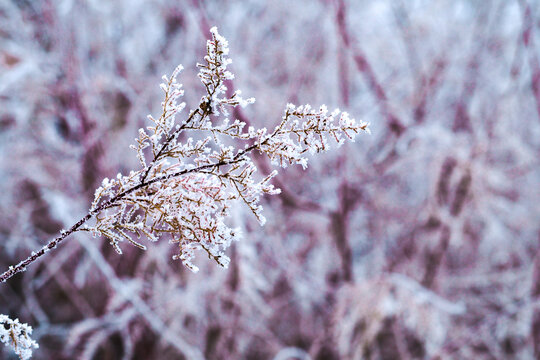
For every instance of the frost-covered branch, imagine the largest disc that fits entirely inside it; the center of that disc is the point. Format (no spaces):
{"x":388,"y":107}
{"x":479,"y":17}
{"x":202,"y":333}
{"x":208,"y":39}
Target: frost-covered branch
{"x":17,"y":335}
{"x":186,"y":189}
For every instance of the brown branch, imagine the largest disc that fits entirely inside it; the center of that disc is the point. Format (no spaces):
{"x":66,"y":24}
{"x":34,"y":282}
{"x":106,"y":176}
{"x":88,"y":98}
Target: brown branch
{"x":169,"y":139}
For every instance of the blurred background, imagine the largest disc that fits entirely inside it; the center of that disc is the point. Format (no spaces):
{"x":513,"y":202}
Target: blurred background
{"x":419,"y":241}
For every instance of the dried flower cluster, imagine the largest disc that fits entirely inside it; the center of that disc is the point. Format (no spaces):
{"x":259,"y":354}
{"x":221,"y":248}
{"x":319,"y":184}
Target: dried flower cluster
{"x":188,"y":187}
{"x":17,"y":335}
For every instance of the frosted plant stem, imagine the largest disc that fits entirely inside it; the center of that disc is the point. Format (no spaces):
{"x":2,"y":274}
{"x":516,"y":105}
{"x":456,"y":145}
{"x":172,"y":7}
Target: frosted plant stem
{"x":114,"y":201}
{"x":21,"y":266}
{"x":168,"y":141}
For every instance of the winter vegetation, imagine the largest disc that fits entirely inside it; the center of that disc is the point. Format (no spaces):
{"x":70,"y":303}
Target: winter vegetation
{"x":419,"y":241}
{"x":187,"y":189}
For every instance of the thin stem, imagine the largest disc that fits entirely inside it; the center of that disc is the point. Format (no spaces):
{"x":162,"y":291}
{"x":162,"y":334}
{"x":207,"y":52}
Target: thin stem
{"x":177,"y":132}
{"x":169,"y":139}
{"x":51,"y":245}
{"x":21,"y":266}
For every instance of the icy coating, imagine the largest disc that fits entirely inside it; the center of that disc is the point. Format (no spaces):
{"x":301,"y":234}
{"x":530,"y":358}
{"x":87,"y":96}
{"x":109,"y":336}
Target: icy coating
{"x":188,"y":187}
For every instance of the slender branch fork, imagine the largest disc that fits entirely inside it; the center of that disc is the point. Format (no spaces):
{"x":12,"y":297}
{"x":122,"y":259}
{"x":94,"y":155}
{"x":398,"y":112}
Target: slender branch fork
{"x":110,"y":203}
{"x":21,"y":266}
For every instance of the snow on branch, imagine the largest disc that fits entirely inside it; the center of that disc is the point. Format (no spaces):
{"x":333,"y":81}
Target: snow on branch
{"x":184,"y":189}
{"x":17,"y":335}
{"x":188,"y":188}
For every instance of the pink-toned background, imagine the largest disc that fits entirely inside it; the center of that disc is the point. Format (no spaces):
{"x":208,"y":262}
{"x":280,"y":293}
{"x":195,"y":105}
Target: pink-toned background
{"x":419,"y":241}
